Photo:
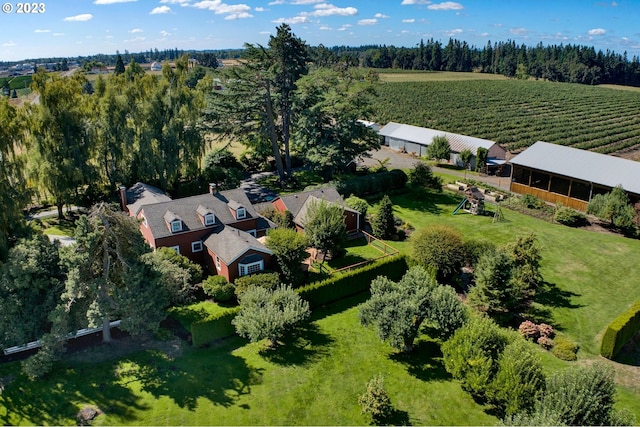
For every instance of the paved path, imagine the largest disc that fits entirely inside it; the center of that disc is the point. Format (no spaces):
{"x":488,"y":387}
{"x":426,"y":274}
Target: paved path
{"x":398,"y":160}
{"x":54,"y":212}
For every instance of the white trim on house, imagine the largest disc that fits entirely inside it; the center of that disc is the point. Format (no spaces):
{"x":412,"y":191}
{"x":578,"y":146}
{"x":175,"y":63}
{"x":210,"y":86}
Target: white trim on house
{"x":209,"y":219}
{"x":252,"y":267}
{"x":197,"y":246}
{"x":176,"y":226}
{"x":241,"y":213}
{"x":175,"y":248}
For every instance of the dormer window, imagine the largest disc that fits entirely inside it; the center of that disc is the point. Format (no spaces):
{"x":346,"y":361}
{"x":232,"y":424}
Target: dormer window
{"x":173,"y":221}
{"x":239,"y":211}
{"x":206,"y":215}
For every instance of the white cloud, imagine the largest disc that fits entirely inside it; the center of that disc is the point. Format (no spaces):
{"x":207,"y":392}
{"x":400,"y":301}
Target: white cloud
{"x":9,"y":44}
{"x":597,"y":32}
{"x":484,"y":34}
{"x":164,"y":33}
{"x":380,"y":16}
{"x":368,"y":21}
{"x":447,"y":5}
{"x":112,"y":1}
{"x":325,"y":9}
{"x":79,"y":18}
{"x":160,"y":10}
{"x":457,"y":31}
{"x":294,"y":20}
{"x":275,"y":3}
{"x":58,"y":34}
{"x":136,"y":30}
{"x":409,"y":21}
{"x":180,"y":2}
{"x":42,"y":31}
{"x":518,"y":31}
{"x":242,"y":15}
{"x":259,"y":9}
{"x":298,"y":2}
{"x":325,"y":28}
{"x":407,"y":2}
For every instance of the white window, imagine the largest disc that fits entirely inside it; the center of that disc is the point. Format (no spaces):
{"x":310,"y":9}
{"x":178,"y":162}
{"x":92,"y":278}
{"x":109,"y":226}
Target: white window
{"x":241,"y":213}
{"x":176,"y":226}
{"x":196,"y":246}
{"x":209,"y":219}
{"x":250,"y":268}
{"x":217,"y":262}
{"x":253,"y":233}
{"x":175,"y":248}
{"x":144,"y":221}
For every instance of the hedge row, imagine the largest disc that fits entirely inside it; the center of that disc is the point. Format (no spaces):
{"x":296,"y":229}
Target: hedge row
{"x":373,"y":183}
{"x":318,"y":293}
{"x":353,"y":282}
{"x":620,"y":331}
{"x":213,"y":328}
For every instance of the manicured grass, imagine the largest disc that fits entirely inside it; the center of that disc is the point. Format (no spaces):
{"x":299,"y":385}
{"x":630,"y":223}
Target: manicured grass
{"x":315,"y":378}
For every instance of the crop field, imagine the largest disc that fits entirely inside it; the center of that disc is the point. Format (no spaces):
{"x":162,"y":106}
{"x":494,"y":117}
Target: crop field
{"x":517,"y":113}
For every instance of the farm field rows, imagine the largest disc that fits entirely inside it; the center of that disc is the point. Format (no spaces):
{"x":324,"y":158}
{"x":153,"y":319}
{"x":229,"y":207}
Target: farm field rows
{"x":517,"y":113}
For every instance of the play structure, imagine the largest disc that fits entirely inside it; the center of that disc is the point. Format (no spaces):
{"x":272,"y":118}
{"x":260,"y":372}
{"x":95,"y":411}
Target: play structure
{"x":474,"y":203}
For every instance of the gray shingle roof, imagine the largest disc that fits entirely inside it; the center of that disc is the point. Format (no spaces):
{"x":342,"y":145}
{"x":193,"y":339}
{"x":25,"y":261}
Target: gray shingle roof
{"x":295,"y":202}
{"x":584,"y":165}
{"x":141,"y":194}
{"x":230,"y":244}
{"x":424,"y":136}
{"x":187,"y":209}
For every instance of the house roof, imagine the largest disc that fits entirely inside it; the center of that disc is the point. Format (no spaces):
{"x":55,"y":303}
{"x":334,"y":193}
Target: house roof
{"x":584,"y":165}
{"x":187,"y":209}
{"x":295,"y":202}
{"x":230,"y":244}
{"x":301,"y":217}
{"x":141,"y":194}
{"x":424,"y":136}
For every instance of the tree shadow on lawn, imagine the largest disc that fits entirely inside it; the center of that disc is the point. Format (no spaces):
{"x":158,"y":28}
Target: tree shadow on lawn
{"x":421,"y":200}
{"x":304,"y":346}
{"x":397,"y":417}
{"x":424,"y":362}
{"x":53,"y":399}
{"x":214,"y":374}
{"x":550,"y":295}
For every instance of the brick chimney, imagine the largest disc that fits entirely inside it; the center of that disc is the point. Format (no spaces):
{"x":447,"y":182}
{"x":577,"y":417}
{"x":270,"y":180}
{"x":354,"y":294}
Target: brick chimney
{"x":123,"y":198}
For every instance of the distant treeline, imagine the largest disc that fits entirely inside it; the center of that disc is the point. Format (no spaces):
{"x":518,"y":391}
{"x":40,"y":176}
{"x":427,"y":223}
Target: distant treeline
{"x":561,"y":63}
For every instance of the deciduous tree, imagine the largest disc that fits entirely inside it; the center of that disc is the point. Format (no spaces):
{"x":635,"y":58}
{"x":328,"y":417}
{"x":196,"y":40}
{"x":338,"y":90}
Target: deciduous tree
{"x":269,"y":314}
{"x":439,"y":249}
{"x":325,"y":227}
{"x":439,"y":149}
{"x":290,"y":250}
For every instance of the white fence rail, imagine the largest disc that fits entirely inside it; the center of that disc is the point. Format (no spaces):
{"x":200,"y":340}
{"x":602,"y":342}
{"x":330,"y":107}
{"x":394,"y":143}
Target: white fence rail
{"x":37,"y":344}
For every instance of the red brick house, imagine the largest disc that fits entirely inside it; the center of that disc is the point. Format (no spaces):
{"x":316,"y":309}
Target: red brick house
{"x":218,"y":230}
{"x":298,"y":204}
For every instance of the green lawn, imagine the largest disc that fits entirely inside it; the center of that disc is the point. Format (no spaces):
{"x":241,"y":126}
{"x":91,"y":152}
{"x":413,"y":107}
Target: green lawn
{"x":316,"y":377}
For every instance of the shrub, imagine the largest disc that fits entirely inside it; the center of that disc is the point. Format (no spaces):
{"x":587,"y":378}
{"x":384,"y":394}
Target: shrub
{"x":546,"y":330}
{"x":218,"y":288}
{"x":382,"y":224}
{"x":620,"y":331}
{"x":564,"y":348}
{"x":375,"y":401}
{"x":532,"y":202}
{"x":267,"y":280}
{"x":421,"y":176}
{"x":529,"y":330}
{"x":213,"y":328}
{"x":545,"y":342}
{"x":569,"y":217}
{"x":353,"y":282}
{"x":473,"y":249}
{"x":374,"y":183}
{"x":357,"y":204}
{"x":439,"y":249}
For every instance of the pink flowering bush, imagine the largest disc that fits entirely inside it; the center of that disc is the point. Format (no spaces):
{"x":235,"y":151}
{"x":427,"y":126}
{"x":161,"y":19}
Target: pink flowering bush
{"x":545,"y":330}
{"x":545,"y":342}
{"x":529,"y":330}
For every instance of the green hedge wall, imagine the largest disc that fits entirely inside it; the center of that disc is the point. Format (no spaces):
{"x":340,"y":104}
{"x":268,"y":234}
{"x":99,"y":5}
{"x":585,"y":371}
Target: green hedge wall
{"x":353,"y":282}
{"x":318,"y":293}
{"x":213,"y":328}
{"x":373,"y":183}
{"x":620,"y":331}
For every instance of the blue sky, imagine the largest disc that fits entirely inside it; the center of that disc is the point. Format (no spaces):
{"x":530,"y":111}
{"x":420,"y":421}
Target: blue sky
{"x":85,"y":27}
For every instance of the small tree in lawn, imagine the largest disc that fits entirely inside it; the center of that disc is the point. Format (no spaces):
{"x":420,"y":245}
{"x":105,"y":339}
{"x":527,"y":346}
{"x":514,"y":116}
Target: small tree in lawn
{"x":481,"y":159}
{"x":397,"y":310}
{"x":325,"y":228}
{"x":358,"y":204}
{"x":613,"y":207}
{"x":375,"y":402}
{"x":290,"y":250}
{"x":382,"y":224}
{"x":465,"y":157}
{"x":269,"y":314}
{"x":421,"y":176}
{"x":439,"y":149}
{"x":440,"y":250}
